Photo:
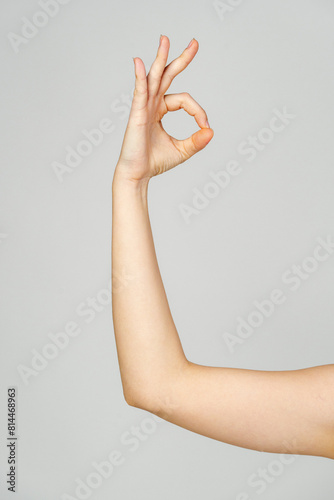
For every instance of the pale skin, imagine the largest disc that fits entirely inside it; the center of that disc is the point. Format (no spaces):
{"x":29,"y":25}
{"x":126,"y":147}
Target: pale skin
{"x":271,"y":411}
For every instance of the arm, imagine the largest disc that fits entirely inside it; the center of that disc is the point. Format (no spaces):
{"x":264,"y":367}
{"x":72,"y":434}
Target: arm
{"x":148,"y":346}
{"x":288,"y":412}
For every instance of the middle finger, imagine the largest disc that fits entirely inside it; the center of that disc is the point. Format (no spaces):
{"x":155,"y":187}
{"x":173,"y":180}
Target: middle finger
{"x":178,"y":65}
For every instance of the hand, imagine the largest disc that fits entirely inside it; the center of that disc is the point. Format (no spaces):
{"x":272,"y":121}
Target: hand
{"x":147,"y":149}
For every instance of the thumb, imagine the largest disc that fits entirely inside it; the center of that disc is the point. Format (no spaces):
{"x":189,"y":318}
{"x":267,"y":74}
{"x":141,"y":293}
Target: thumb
{"x":195,"y":142}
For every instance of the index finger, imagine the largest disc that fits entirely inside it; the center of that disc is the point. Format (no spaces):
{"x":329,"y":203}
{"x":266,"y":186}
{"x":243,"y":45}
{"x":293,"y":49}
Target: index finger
{"x":178,"y":65}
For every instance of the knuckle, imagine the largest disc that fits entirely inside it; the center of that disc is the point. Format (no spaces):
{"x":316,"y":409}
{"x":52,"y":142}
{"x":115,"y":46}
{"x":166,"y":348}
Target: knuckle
{"x":154,"y":73}
{"x":169,"y":77}
{"x":139,"y":91}
{"x":168,"y":72}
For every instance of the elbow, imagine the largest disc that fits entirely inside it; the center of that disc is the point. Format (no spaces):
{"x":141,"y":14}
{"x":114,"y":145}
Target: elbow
{"x":160,"y":394}
{"x":130,"y":400}
{"x":163,"y":396}
{"x":131,"y":396}
{"x":142,"y":401}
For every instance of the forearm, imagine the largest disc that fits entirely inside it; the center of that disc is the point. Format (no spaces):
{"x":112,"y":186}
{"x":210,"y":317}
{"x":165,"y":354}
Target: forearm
{"x":149,"y":350}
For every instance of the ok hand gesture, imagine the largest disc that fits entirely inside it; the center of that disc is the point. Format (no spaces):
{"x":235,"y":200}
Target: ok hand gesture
{"x":147,"y":149}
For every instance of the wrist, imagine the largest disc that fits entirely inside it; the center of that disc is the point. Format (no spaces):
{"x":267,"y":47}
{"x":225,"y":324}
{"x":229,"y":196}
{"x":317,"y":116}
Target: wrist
{"x":121,"y":181}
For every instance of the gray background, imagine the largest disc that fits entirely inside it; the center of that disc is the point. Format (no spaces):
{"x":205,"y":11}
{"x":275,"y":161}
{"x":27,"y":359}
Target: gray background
{"x":56,"y":233}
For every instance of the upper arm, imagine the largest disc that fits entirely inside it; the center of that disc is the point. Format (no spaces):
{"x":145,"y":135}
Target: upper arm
{"x":272,"y":411}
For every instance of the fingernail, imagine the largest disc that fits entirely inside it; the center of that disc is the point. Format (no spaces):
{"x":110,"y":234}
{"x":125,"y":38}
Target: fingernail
{"x":190,"y":44}
{"x":160,"y":40}
{"x":207,"y":124}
